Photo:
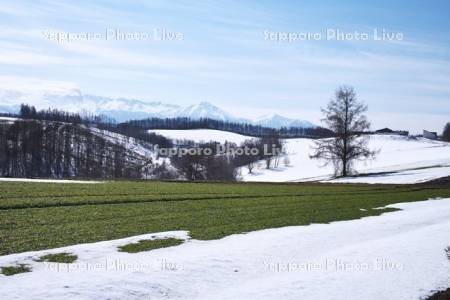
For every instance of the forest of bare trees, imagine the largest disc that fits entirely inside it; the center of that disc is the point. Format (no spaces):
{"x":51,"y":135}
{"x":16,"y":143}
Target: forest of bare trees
{"x":240,"y":128}
{"x":59,"y":150}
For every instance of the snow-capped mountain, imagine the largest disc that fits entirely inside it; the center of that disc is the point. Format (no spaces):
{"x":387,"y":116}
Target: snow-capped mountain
{"x":277,"y":121}
{"x":123,"y":109}
{"x":205,"y":110}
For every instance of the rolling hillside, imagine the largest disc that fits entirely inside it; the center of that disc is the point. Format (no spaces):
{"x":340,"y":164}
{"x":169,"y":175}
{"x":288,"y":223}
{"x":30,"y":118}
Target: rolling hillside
{"x":400,"y":159}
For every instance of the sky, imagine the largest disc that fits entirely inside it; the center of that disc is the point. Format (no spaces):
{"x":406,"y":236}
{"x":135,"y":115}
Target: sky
{"x":235,"y":54}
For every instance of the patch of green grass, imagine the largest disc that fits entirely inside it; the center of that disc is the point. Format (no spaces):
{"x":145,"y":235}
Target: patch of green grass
{"x":37,"y":216}
{"x":146,"y":245}
{"x":64,"y":258}
{"x":13,"y":270}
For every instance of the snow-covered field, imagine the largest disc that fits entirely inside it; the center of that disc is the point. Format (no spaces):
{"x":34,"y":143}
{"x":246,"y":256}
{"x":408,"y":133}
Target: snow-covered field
{"x":7,"y":119}
{"x":400,"y":160}
{"x":202,"y":135}
{"x":398,"y":255}
{"x":47,"y":180}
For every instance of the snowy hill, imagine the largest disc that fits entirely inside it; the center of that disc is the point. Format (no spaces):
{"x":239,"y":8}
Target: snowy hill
{"x":140,"y":150}
{"x":202,"y":135}
{"x":106,"y":149}
{"x":123,"y":109}
{"x":400,"y":160}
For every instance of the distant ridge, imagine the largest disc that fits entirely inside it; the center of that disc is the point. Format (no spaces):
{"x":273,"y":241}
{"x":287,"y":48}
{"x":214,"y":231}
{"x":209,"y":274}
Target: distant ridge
{"x":123,"y":109}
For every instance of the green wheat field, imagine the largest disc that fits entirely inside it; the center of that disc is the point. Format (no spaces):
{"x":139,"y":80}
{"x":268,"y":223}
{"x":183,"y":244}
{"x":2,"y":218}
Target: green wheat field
{"x":36,"y":216}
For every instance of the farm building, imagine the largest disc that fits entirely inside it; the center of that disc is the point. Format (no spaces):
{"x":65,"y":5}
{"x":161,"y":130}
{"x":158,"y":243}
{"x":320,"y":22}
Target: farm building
{"x":430,"y":135}
{"x":390,"y":131}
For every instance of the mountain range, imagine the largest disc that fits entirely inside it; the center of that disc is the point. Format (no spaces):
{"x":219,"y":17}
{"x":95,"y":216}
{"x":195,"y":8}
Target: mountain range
{"x":123,"y":109}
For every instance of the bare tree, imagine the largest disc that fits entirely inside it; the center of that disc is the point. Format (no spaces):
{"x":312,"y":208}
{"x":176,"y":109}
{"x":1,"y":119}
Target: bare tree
{"x":271,"y":147}
{"x":446,"y":133}
{"x":344,"y":116}
{"x":248,"y":158}
{"x":251,"y":166}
